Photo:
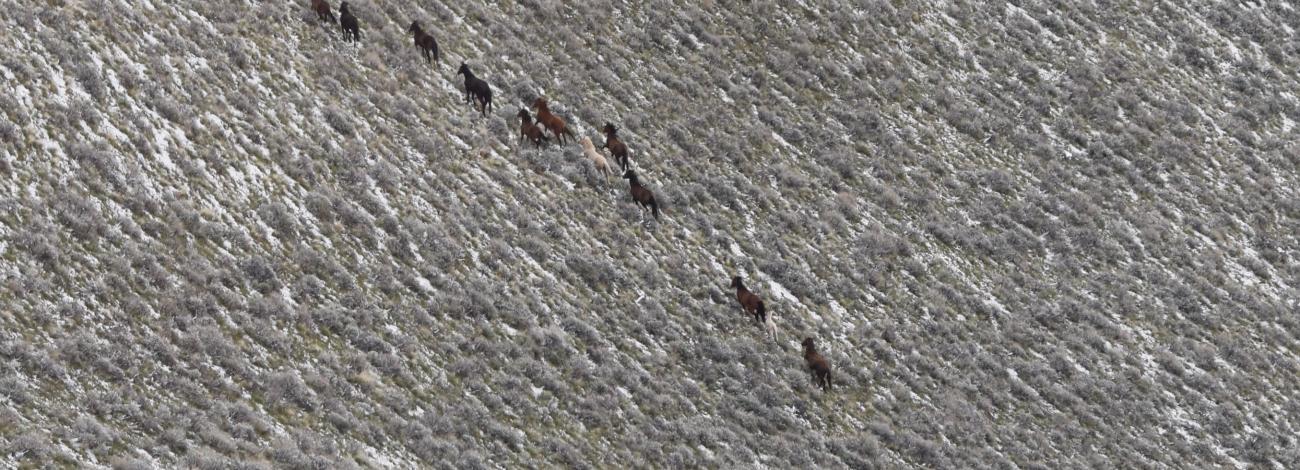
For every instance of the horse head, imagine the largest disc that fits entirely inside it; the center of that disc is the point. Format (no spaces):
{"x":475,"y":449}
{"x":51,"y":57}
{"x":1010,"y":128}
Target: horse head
{"x":464,"y":70}
{"x":609,"y":129}
{"x":586,"y":143}
{"x":629,"y":175}
{"x":523,"y":114}
{"x":808,"y":344}
{"x":735,"y":281}
{"x":415,"y":27}
{"x":540,"y":103}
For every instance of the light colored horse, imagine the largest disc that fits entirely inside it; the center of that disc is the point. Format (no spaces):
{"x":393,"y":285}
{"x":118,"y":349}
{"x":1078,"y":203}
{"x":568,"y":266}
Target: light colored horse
{"x":596,"y":158}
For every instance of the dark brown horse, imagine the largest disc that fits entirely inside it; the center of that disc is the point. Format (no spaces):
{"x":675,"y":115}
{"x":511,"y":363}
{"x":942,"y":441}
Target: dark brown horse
{"x":641,"y":195}
{"x":528,"y":130}
{"x":428,"y":46}
{"x":351,"y":29}
{"x":615,"y":145}
{"x":476,"y":90}
{"x":322,"y":9}
{"x":551,"y":122}
{"x":749,"y":302}
{"x":817,"y":364}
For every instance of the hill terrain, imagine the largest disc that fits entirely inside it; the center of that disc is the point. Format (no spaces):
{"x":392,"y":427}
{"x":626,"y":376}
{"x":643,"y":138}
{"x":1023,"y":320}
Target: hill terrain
{"x":1029,"y":234}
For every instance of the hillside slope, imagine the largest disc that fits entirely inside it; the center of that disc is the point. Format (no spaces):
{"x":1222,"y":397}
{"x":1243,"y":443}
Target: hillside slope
{"x":1026,"y":234}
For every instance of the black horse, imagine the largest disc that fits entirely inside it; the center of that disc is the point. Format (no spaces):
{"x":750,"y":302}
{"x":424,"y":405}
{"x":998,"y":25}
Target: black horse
{"x":424,"y":41}
{"x":351,"y":30}
{"x":642,"y":195}
{"x":476,"y":90}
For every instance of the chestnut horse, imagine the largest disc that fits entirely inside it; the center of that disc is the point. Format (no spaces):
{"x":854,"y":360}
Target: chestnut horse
{"x":528,"y":130}
{"x":749,"y":302}
{"x":322,"y":9}
{"x":551,"y":122}
{"x":817,"y":364}
{"x":424,"y":41}
{"x":640,"y":194}
{"x":615,"y":145}
{"x":476,"y":89}
{"x":351,"y":30}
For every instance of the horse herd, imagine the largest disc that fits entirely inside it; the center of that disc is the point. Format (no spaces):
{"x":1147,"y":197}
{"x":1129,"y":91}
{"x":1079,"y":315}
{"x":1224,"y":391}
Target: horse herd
{"x":479,"y":94}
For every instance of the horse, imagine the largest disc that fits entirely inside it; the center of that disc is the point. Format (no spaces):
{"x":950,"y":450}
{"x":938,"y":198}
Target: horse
{"x":817,"y":364}
{"x":349,"y":23}
{"x":528,"y":130}
{"x":596,"y":158}
{"x":615,"y":146}
{"x":749,"y":302}
{"x":552,"y":122}
{"x":476,"y":89}
{"x":640,"y":194}
{"x":424,"y":41}
{"x":322,"y":9}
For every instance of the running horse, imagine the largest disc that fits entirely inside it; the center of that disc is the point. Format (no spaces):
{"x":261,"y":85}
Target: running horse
{"x":528,"y":130}
{"x":348,"y":22}
{"x":817,"y":364}
{"x":322,"y":9}
{"x":428,"y":46}
{"x":553,"y":123}
{"x":640,"y":194}
{"x":476,"y":90}
{"x":615,"y":145}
